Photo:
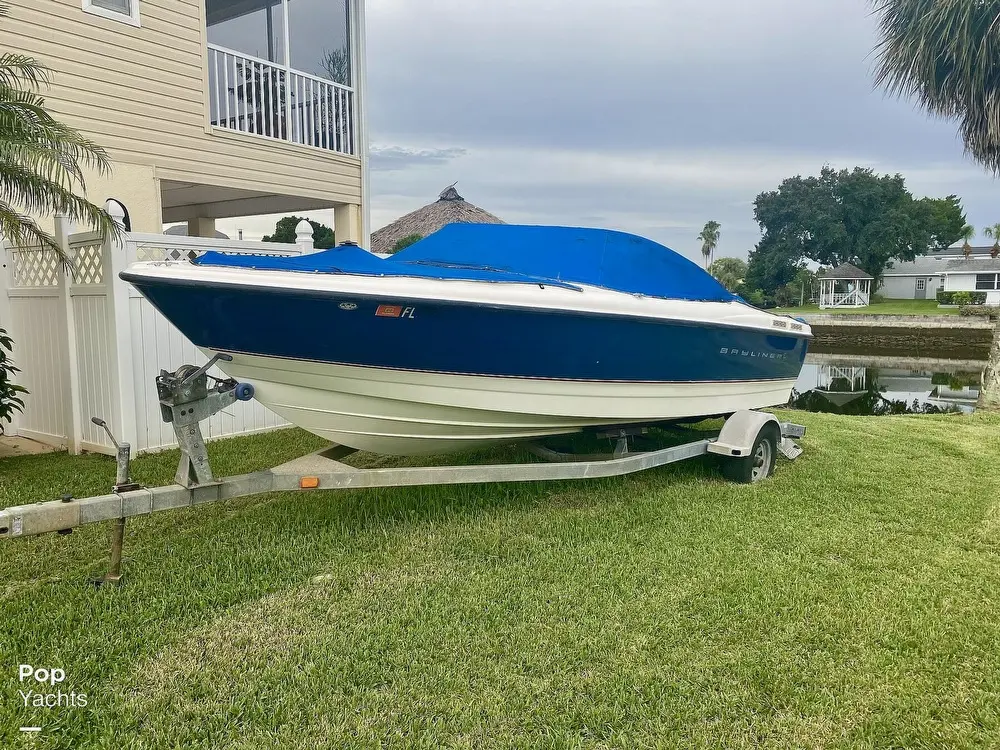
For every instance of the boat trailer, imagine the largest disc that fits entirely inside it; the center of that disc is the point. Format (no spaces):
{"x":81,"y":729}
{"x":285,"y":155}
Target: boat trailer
{"x":748,"y":442}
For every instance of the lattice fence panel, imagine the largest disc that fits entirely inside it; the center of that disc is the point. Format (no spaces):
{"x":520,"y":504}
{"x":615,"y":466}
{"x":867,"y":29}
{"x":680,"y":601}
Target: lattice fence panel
{"x":156,"y":254}
{"x":35,"y":268}
{"x":153,"y":253}
{"x":87,"y":265}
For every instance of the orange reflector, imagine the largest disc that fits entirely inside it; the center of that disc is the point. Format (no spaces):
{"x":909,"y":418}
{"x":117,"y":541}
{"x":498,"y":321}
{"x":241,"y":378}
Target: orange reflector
{"x":308,"y":483}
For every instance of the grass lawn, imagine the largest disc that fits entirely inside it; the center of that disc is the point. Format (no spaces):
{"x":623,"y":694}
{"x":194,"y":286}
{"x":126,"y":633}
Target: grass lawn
{"x":851,"y":601}
{"x":888,"y":307}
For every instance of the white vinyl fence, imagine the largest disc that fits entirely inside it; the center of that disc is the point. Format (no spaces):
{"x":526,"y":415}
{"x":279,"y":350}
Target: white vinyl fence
{"x":89,"y":345}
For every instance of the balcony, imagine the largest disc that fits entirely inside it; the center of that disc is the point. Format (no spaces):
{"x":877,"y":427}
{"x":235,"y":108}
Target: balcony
{"x":252,"y":84}
{"x":250,"y":95}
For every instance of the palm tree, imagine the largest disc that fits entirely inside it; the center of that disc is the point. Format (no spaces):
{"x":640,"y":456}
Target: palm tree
{"x":993,"y":232}
{"x":41,"y":160}
{"x":709,"y":240}
{"x":944,"y":54}
{"x":968,"y":232}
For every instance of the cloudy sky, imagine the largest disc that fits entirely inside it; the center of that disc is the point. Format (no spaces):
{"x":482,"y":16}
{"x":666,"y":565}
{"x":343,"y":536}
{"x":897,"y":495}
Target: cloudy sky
{"x":651,"y":116}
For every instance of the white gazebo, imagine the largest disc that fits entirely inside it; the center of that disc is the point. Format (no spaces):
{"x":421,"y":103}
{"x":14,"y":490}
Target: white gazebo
{"x":845,"y":286}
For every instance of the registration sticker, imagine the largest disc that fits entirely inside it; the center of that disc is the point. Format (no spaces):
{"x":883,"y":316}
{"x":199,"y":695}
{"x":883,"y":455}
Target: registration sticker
{"x":395,"y":311}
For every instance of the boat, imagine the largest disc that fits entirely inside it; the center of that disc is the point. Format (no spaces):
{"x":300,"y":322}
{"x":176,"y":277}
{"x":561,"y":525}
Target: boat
{"x":480,"y":334}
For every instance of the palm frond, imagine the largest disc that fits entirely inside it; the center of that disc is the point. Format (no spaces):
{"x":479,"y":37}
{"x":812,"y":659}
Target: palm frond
{"x":42,"y":161}
{"x":945,"y":54}
{"x":16,"y":69}
{"x":23,"y":231}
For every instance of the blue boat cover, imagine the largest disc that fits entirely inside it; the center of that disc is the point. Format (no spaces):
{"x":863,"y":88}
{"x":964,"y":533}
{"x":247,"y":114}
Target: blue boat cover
{"x":559,"y":256}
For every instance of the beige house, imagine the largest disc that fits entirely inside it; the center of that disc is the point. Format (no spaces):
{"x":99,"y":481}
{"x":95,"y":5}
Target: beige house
{"x":210,"y":108}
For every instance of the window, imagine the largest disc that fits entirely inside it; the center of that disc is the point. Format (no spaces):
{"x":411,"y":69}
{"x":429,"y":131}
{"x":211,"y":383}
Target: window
{"x":921,"y":285}
{"x":282,"y":69}
{"x":318,"y":33}
{"x":257,"y":29}
{"x":988,"y":281}
{"x":319,"y":39}
{"x":126,"y":11}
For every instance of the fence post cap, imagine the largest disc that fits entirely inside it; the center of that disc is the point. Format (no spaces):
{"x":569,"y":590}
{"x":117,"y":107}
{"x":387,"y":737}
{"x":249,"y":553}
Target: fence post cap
{"x":304,"y":236}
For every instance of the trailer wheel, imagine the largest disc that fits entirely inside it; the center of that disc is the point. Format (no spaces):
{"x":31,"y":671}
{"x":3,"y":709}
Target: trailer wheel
{"x":759,"y":465}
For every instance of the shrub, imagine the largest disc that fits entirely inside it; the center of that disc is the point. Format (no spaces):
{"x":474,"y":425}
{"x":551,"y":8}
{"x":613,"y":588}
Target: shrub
{"x":981,"y":311}
{"x":955,"y":298}
{"x":785,"y":297}
{"x":10,"y":400}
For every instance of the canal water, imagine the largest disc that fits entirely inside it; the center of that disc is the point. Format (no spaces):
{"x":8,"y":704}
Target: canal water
{"x":875,"y":384}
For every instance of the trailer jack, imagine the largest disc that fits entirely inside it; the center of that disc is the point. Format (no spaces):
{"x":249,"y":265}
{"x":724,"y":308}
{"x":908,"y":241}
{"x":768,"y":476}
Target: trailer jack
{"x":185,"y":400}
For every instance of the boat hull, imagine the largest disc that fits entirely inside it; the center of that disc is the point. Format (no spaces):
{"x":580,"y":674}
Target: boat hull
{"x":401,"y":412}
{"x":410,"y":367}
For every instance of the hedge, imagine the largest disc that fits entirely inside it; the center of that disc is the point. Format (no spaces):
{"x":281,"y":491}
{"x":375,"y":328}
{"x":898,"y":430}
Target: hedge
{"x":948,"y":298}
{"x":981,"y":311}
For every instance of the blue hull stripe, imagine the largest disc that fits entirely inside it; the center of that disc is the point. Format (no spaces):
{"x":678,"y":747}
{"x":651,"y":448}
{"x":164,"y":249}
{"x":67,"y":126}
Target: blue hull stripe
{"x":468,"y":339}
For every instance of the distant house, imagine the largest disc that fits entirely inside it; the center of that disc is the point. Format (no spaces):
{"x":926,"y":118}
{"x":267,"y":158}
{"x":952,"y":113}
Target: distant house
{"x":945,"y":270}
{"x":974,"y":275}
{"x":449,"y":208}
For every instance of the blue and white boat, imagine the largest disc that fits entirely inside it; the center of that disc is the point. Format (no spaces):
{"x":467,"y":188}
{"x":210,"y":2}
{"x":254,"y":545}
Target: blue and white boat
{"x":480,"y":334}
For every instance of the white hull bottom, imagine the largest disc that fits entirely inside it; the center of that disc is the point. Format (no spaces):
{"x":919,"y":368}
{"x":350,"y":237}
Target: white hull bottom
{"x":400,"y":412}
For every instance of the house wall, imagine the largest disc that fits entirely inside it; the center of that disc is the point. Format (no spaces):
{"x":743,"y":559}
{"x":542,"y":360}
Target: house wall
{"x":141,"y":93}
{"x":905,"y":287}
{"x":966,"y":282}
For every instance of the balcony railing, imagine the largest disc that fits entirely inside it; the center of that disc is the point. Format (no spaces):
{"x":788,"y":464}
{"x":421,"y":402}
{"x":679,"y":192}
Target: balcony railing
{"x":250,"y":95}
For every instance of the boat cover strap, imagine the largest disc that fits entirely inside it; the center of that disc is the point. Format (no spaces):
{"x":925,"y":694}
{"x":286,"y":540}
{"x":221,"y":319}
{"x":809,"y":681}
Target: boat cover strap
{"x":508,"y":253}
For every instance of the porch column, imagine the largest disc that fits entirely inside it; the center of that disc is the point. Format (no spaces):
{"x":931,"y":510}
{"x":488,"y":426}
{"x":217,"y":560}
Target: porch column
{"x":347,"y":222}
{"x":201,"y":227}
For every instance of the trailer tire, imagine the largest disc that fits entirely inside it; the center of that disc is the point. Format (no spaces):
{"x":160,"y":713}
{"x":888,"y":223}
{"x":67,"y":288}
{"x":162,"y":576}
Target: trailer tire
{"x":759,"y":465}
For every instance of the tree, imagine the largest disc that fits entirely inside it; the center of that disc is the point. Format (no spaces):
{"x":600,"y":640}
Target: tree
{"x":709,"y":240}
{"x":944,"y":55}
{"x":284,"y":231}
{"x":799,"y":290}
{"x":730,"y":272}
{"x":770,"y":266}
{"x":968,"y":232}
{"x":42,"y":161}
{"x":337,"y":64}
{"x":848,"y":216}
{"x":944,"y":218}
{"x":993,"y":232}
{"x":410,"y":239}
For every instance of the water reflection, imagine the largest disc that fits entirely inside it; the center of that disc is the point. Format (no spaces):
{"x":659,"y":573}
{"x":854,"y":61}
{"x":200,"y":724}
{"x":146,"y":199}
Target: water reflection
{"x":860,"y":385}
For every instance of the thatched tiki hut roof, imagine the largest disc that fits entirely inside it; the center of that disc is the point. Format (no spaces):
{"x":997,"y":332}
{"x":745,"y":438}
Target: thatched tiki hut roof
{"x":449,"y":208}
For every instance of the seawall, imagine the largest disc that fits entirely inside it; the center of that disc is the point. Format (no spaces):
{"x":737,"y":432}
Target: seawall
{"x":942,"y":336}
